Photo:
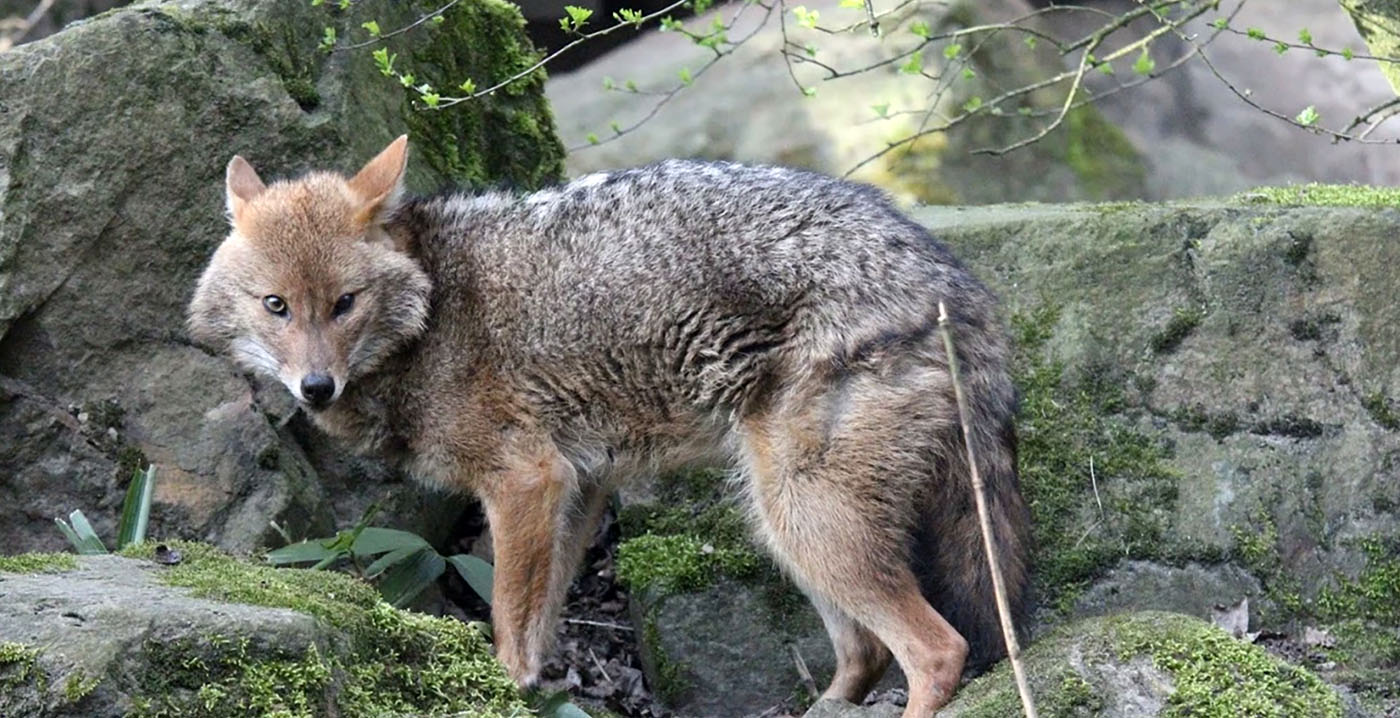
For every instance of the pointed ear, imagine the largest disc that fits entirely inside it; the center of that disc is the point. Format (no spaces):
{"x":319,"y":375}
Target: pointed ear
{"x":242,"y":184}
{"x":378,"y":184}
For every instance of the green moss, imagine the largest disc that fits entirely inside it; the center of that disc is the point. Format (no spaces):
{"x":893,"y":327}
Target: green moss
{"x":1367,"y":655}
{"x":38,"y":563}
{"x":1382,"y":410}
{"x":394,"y":661}
{"x":1180,"y":326}
{"x":1074,"y":458}
{"x":508,"y":136}
{"x":78,"y":685}
{"x":669,"y":564}
{"x":1101,"y":156}
{"x":1194,"y":417}
{"x":23,"y":682}
{"x":1212,"y":675}
{"x":1324,"y":195}
{"x":1217,"y":676}
{"x":670,"y":679}
{"x":1374,"y":595}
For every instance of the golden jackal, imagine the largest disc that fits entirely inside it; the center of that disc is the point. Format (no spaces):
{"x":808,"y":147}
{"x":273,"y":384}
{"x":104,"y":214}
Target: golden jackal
{"x":535,"y":349}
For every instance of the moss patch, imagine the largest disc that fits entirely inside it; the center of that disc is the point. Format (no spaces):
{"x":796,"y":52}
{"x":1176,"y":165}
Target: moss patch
{"x":1212,"y":674}
{"x":1069,"y":444}
{"x":394,"y":662}
{"x":1180,"y":326}
{"x":38,"y":563}
{"x":1101,"y":156}
{"x":506,"y":136}
{"x":19,"y":666}
{"x":1324,"y":195}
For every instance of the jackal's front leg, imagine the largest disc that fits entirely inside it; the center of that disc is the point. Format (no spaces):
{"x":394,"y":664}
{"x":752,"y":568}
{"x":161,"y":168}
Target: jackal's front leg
{"x":529,"y":511}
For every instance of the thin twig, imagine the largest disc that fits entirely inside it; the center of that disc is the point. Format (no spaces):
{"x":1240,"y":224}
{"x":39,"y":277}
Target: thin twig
{"x":449,"y":101}
{"x":599,"y":664}
{"x":807,"y":681}
{"x":1095,"y":482}
{"x":399,"y":31}
{"x":1008,"y":629}
{"x":28,"y":24}
{"x":599,"y":624}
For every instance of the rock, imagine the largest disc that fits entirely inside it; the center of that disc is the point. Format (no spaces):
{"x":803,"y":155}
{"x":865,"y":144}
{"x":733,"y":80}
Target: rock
{"x":111,"y":201}
{"x":1142,"y":664}
{"x":747,"y":108}
{"x":116,"y":636}
{"x":1197,"y":138}
{"x":1378,"y":21}
{"x":1207,"y":383}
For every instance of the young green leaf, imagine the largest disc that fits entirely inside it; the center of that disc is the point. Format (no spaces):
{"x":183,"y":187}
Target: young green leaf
{"x":1348,"y":53}
{"x":1255,"y":33}
{"x":628,"y":15}
{"x":914,"y":65}
{"x":477,"y":573}
{"x":952,"y":51}
{"x":1280,"y":47}
{"x":1145,"y":64}
{"x":592,"y":138}
{"x":372,"y":27}
{"x":467,"y":86}
{"x":1031,"y":41}
{"x":1308,"y":117}
{"x":881,"y":110}
{"x":686,"y":77}
{"x":973,"y":104}
{"x":1220,"y":23}
{"x":384,"y":60}
{"x":968,"y":74}
{"x":806,"y":18}
{"x":920,"y":28}
{"x":578,"y":16}
{"x":1305,"y":37}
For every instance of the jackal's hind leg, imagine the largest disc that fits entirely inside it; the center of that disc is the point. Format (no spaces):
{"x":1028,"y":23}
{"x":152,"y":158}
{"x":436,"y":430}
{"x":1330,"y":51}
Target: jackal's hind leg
{"x":861,"y":659}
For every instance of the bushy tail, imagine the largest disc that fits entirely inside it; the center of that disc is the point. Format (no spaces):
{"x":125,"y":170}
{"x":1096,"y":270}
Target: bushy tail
{"x":948,"y":554}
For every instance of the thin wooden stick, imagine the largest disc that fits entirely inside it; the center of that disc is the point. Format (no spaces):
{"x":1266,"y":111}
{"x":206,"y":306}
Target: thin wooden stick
{"x":1008,"y":631}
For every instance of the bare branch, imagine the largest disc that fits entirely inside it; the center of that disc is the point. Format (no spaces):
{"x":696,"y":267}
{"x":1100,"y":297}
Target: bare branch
{"x":376,"y":39}
{"x":26,"y":25}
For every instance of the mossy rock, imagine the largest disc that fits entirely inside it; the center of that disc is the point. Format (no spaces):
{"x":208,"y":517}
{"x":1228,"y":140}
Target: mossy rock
{"x":217,"y":636}
{"x":1207,"y":405}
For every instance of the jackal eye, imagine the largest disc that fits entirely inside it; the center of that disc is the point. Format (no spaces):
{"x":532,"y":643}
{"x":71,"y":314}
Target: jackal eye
{"x":275,"y":304}
{"x":343,"y":304}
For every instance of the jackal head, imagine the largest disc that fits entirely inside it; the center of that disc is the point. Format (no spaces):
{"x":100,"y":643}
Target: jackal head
{"x":309,"y":287}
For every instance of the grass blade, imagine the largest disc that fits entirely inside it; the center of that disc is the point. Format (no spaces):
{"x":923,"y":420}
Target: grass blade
{"x":477,"y":573}
{"x":409,"y":577}
{"x":136,"y":509}
{"x":81,"y":535}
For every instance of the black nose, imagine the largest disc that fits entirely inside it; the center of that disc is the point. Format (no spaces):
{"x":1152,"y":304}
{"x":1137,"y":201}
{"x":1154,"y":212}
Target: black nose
{"x":317,"y":389}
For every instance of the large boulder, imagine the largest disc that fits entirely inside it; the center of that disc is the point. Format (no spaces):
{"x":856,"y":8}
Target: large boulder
{"x":113,"y":138}
{"x":747,"y":107}
{"x":1208,"y":415}
{"x":1138,"y":665}
{"x":111,"y":636}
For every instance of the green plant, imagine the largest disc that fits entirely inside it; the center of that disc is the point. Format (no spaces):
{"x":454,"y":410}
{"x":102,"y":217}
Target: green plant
{"x":401,"y":562}
{"x":136,"y":514}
